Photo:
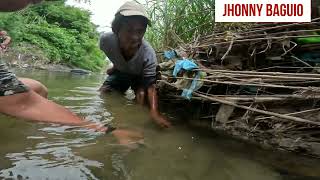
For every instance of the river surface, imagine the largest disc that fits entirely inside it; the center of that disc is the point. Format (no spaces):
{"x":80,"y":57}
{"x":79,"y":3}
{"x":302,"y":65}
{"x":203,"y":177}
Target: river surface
{"x":31,"y":150}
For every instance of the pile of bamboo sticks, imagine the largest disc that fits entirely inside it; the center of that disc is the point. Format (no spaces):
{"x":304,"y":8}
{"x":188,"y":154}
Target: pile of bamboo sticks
{"x":271,"y":91}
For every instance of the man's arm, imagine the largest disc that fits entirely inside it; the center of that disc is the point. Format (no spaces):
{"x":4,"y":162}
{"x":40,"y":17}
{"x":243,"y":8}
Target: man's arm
{"x":154,"y":109}
{"x":31,"y":106}
{"x":149,"y":81}
{"x":104,"y":47}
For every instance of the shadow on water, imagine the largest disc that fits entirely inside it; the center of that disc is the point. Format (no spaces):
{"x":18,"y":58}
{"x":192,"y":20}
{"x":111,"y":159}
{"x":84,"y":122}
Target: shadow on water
{"x":45,"y":151}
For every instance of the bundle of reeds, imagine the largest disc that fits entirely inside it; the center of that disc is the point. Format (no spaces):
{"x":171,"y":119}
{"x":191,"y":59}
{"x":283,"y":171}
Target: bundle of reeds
{"x":261,"y":84}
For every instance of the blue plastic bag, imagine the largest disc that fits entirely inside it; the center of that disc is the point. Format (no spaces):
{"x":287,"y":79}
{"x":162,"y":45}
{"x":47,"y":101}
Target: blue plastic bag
{"x":185,"y":64}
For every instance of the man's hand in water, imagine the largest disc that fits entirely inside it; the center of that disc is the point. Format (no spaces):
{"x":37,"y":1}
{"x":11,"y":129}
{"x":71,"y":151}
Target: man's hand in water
{"x":97,"y":127}
{"x":160,"y":120}
{"x":124,"y":136}
{"x":127,"y":137}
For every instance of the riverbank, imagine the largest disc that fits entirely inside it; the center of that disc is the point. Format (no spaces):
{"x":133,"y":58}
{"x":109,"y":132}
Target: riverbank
{"x":291,"y":164}
{"x":195,"y":113}
{"x":260,"y":85}
{"x":33,"y":58}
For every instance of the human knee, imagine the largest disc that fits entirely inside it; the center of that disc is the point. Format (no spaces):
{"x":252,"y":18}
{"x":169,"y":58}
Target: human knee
{"x":43,"y":90}
{"x":36,"y":86}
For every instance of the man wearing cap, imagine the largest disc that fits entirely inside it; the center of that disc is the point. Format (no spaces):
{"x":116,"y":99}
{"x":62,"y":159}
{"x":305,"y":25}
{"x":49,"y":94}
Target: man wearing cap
{"x":134,"y":60}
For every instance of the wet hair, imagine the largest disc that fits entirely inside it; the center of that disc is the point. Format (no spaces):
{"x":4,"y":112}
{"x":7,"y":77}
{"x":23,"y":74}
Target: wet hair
{"x":119,"y":20}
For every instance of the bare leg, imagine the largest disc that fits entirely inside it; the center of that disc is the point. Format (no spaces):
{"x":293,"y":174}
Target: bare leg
{"x":36,"y":86}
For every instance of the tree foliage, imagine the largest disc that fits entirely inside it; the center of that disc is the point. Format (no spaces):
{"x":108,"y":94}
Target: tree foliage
{"x":65,"y":34}
{"x":177,"y":21}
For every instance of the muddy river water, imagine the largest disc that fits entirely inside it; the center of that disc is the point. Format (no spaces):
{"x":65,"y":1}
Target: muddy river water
{"x":31,"y":150}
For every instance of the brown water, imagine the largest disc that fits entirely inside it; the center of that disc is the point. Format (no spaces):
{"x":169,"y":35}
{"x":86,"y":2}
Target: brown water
{"x":44,"y":151}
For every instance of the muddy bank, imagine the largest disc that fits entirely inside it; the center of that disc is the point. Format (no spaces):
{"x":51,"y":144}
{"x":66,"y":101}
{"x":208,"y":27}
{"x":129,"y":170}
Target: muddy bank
{"x":289,"y":164}
{"x":258,"y":85}
{"x":36,"y":60}
{"x":270,"y":134}
{"x":292,"y":157}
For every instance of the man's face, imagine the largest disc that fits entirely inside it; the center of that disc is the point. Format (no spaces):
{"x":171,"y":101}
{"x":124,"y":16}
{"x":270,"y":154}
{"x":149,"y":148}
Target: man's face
{"x":15,"y":5}
{"x":131,"y":34}
{"x":3,"y":33}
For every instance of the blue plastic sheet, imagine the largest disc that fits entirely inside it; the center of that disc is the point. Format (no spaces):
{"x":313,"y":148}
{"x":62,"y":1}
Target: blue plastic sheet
{"x":185,"y":64}
{"x":188,"y":65}
{"x":187,"y":93}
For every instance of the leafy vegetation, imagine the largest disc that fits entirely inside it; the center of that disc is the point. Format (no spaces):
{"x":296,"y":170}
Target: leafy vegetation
{"x":176,"y":22}
{"x":65,"y":34}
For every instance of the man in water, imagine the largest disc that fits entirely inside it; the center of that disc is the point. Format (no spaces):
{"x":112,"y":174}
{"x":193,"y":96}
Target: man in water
{"x":21,"y":98}
{"x":134,"y":60}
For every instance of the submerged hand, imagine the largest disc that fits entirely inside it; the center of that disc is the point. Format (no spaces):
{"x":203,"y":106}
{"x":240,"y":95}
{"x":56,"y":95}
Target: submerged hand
{"x":124,"y":137}
{"x":160,"y":120}
{"x":97,"y":127}
{"x":127,"y":137}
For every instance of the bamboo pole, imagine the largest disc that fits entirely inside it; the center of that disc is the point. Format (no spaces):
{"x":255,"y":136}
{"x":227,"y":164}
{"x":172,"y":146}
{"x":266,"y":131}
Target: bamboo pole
{"x":262,"y":73}
{"x":295,"y":113}
{"x":314,"y":89}
{"x":299,"y":60}
{"x":285,"y":67}
{"x":257,"y":98}
{"x":234,"y":98}
{"x":287,"y":117}
{"x":254,"y":98}
{"x":274,"y":81}
{"x":277,"y":34}
{"x":263,"y":29}
{"x":263,"y":76}
{"x":255,"y":39}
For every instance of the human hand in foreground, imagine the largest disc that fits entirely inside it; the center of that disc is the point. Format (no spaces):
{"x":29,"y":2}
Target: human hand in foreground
{"x":124,"y":136}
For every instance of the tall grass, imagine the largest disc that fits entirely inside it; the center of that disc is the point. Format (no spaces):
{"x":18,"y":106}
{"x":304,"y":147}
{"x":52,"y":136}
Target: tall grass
{"x":178,"y":21}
